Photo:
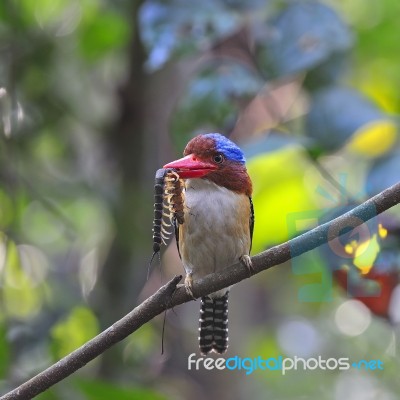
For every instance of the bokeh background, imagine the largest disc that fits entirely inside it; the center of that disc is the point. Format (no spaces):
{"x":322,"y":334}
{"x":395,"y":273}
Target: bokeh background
{"x":96,"y":95}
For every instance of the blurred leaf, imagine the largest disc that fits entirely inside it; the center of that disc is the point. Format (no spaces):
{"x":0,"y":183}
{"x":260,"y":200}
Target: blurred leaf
{"x":105,"y":32}
{"x":22,"y":298}
{"x":328,"y":72}
{"x":91,"y":219}
{"x":6,"y":210}
{"x":4,"y":352}
{"x":100,"y":390}
{"x":3,"y":12}
{"x":384,"y":173}
{"x":243,"y":6}
{"x":336,"y":114}
{"x":48,"y":146}
{"x":374,"y":139}
{"x":279,"y":189}
{"x":366,"y":254}
{"x":180,"y":27}
{"x":271,"y":142}
{"x":141,"y":344}
{"x":42,"y":12}
{"x":378,"y":80}
{"x":212,"y":100}
{"x":50,"y":394}
{"x":80,"y":326}
{"x":303,"y":36}
{"x":40,"y":226}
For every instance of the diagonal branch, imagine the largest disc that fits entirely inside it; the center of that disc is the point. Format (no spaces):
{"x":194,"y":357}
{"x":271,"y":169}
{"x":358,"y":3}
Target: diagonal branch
{"x":170,"y":295}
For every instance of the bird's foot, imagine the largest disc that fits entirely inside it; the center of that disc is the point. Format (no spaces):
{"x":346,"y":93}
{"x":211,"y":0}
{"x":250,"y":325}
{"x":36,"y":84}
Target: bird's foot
{"x":246,"y":261}
{"x":189,"y":285}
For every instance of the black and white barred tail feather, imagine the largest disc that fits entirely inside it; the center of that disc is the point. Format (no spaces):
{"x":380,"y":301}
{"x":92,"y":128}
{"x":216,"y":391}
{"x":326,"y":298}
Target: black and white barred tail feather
{"x":213,"y":330}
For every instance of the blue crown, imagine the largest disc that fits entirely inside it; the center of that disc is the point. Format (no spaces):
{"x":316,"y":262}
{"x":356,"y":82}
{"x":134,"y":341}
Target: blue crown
{"x":227,"y":147}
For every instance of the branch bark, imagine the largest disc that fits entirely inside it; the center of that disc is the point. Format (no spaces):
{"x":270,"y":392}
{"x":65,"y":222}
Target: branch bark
{"x":170,"y":295}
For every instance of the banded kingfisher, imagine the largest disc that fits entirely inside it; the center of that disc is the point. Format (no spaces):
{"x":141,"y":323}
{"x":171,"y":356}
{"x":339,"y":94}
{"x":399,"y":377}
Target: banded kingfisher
{"x":218,"y":225}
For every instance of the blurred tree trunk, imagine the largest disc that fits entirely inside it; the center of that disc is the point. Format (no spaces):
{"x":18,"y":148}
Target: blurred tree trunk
{"x":125,"y":140}
{"x":139,"y":145}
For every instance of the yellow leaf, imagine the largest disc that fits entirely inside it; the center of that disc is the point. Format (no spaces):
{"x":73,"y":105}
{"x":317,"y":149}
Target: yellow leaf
{"x":279,"y":190}
{"x":366,"y":254}
{"x":374,"y":139}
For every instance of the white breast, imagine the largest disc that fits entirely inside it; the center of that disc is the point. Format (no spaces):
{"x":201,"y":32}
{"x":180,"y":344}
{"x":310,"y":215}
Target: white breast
{"x":216,"y":231}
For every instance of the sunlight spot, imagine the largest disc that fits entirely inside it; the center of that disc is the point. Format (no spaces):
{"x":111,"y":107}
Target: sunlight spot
{"x":5,"y":112}
{"x":88,"y":272}
{"x":20,"y":112}
{"x":382,"y":231}
{"x":394,"y":306}
{"x":391,"y":348}
{"x":352,"y":318}
{"x":350,"y":247}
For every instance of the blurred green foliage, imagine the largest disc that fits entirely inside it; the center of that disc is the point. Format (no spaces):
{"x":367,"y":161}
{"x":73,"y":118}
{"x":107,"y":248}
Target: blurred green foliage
{"x":97,"y":390}
{"x":79,"y":327}
{"x":308,"y":89}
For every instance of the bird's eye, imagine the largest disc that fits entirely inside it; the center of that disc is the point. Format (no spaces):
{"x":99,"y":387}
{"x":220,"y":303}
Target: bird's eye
{"x":218,"y":158}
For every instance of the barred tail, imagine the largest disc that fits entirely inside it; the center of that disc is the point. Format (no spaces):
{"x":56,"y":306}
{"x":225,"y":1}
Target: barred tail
{"x":214,"y":324}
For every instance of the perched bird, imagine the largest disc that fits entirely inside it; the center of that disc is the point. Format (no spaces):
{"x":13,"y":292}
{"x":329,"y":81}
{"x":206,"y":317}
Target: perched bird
{"x":218,"y":225}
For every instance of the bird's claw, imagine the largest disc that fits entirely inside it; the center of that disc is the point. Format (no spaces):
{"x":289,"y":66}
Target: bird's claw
{"x":246,"y":261}
{"x":189,"y":286}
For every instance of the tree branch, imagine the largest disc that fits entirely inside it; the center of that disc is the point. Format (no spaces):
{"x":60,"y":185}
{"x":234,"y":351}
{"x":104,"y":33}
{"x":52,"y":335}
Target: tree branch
{"x":170,"y":295}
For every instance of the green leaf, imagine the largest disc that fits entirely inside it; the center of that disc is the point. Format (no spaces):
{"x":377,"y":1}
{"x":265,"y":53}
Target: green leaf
{"x":3,"y":14}
{"x":43,"y":12}
{"x":21,"y":297}
{"x":102,"y":34}
{"x":80,"y":326}
{"x":4,"y":352}
{"x":50,"y":394}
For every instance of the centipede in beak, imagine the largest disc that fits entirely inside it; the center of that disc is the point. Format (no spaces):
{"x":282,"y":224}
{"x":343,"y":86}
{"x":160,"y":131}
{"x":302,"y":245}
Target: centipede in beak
{"x":174,"y":196}
{"x":169,"y":207}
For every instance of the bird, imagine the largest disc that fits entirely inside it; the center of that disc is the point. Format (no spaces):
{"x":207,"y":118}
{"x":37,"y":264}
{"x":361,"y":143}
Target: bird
{"x":218,"y":225}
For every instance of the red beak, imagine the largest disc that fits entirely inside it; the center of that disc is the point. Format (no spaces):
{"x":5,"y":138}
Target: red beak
{"x":191,"y":167}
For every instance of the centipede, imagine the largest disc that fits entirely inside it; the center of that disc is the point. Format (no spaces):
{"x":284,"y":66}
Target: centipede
{"x":168,"y":207}
{"x":174,"y":196}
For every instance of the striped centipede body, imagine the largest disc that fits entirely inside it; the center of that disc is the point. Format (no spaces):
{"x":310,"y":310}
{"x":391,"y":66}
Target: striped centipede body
{"x":168,"y":205}
{"x":174,"y":195}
